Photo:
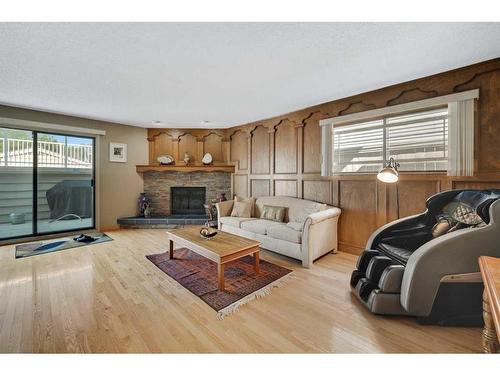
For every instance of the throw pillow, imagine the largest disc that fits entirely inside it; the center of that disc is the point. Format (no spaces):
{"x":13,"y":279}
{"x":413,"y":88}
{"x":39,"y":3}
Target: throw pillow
{"x":274,"y":213}
{"x":241,"y":209}
{"x":245,"y":200}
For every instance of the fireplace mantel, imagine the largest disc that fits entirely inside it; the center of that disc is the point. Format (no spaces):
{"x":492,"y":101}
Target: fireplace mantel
{"x":185,"y":168}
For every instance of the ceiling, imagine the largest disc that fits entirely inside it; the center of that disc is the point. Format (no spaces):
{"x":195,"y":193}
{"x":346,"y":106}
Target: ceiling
{"x":202,"y":75}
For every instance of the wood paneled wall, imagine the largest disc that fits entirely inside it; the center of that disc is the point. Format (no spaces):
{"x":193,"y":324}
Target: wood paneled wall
{"x":195,"y":142}
{"x":281,"y":155}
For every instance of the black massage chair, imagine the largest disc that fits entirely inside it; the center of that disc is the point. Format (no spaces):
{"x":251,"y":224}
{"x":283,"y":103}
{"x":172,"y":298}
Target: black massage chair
{"x":426,"y":265}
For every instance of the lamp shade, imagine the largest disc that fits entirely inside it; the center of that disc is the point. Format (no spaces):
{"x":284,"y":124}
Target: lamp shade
{"x":388,"y":175}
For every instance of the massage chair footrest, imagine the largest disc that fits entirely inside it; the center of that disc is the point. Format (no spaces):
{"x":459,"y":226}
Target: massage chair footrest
{"x":377,"y":301}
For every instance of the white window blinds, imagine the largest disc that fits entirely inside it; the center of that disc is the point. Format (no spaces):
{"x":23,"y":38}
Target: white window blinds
{"x":358,"y":147}
{"x":418,"y":141}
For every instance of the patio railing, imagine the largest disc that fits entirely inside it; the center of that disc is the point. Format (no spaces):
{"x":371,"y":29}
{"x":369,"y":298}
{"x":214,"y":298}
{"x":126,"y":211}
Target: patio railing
{"x":19,"y":153}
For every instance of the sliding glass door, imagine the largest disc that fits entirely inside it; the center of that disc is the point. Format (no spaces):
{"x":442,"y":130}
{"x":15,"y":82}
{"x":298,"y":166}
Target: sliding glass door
{"x":65,"y":175}
{"x":16,"y":183}
{"x":46,"y":183}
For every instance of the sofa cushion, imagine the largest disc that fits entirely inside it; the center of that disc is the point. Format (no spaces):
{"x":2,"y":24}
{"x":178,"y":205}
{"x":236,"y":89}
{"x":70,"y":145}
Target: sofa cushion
{"x":295,"y":225}
{"x":281,"y":231}
{"x":234,"y":221}
{"x":242,"y":209}
{"x":298,"y":209}
{"x":257,"y":225}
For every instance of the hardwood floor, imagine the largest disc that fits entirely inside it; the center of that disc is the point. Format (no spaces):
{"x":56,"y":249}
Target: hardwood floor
{"x":109,"y":298}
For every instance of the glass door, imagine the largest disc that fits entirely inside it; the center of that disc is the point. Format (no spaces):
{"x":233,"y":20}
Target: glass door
{"x":46,"y":183}
{"x":16,"y":183}
{"x":64,"y":183}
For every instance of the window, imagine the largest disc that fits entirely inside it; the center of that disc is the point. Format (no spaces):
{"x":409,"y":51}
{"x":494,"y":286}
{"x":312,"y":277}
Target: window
{"x":435,"y":134}
{"x":418,"y":141}
{"x":358,"y":147}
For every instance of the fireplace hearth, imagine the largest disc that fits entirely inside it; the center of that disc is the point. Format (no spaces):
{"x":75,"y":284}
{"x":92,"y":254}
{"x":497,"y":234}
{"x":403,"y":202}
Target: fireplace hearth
{"x":187,"y":200}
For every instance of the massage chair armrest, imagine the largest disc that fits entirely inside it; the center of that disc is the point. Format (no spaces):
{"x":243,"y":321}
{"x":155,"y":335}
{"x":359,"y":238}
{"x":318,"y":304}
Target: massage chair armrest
{"x":450,"y":254}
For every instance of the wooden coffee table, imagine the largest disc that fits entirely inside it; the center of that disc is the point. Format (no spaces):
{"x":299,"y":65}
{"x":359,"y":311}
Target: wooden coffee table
{"x":222,"y":248}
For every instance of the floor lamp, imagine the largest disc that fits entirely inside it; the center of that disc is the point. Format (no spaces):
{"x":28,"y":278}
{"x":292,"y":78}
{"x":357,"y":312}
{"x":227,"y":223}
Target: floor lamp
{"x":389,"y":175}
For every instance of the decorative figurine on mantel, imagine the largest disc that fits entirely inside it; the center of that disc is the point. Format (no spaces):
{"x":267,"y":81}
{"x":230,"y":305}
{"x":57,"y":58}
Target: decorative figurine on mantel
{"x":143,"y":203}
{"x":165,"y":160}
{"x":207,"y":159}
{"x":187,"y":158}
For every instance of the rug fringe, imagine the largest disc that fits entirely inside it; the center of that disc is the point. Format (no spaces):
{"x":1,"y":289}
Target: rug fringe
{"x":261,"y":293}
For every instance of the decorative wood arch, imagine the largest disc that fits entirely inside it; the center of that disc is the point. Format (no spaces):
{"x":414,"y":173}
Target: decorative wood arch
{"x":411,"y":95}
{"x":355,"y":107}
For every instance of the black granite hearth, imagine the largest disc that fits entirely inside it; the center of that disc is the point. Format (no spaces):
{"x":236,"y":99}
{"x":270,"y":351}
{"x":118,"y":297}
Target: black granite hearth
{"x":137,"y":221}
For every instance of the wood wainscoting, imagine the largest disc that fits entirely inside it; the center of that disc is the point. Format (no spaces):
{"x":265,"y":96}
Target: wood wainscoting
{"x":281,"y":155}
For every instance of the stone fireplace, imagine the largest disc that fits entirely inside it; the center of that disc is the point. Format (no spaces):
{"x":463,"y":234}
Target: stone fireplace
{"x":162,"y":187}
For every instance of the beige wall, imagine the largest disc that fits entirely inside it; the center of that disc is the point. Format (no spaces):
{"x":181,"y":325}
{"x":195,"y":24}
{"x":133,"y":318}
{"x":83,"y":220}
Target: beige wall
{"x":119,"y":183}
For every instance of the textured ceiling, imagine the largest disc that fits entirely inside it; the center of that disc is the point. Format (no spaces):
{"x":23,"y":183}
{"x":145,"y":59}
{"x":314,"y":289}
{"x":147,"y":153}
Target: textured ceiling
{"x":225,"y":73}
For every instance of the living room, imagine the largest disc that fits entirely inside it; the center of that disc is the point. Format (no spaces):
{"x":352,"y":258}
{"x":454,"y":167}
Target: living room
{"x":250,"y":187}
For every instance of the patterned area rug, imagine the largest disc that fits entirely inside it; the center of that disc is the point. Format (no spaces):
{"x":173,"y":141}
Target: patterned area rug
{"x":36,"y":248}
{"x":199,"y":276}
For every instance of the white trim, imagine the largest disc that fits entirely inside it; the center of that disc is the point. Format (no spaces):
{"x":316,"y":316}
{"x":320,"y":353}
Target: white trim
{"x":35,"y":125}
{"x":461,"y":138}
{"x":411,"y":106}
{"x":97,"y":183}
{"x":326,"y":151}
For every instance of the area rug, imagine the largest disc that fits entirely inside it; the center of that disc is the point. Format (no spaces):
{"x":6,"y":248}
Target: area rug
{"x":199,"y":276}
{"x":36,"y":248}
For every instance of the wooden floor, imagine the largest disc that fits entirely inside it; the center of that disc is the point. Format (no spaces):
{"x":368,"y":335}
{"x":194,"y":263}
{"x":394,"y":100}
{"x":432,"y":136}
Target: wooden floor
{"x":109,"y":298}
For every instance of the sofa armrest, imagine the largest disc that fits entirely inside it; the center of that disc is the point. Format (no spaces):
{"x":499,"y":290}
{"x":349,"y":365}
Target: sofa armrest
{"x":323,"y":215}
{"x":224,"y":208}
{"x":319,"y":234}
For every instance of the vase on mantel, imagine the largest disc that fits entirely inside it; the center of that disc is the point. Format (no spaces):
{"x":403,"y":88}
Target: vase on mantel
{"x":222,"y":197}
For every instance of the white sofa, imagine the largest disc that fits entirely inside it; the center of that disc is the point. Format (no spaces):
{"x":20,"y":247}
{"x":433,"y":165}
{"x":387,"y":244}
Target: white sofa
{"x":309,"y":230}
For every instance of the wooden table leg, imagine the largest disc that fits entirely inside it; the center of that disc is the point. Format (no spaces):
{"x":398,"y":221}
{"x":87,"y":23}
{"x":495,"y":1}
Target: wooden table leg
{"x":490,"y":340}
{"x":171,"y":249}
{"x":256,"y":265}
{"x":220,"y":268}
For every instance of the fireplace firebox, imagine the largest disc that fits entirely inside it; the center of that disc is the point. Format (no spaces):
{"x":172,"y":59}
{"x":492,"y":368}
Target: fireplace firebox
{"x":187,"y":200}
